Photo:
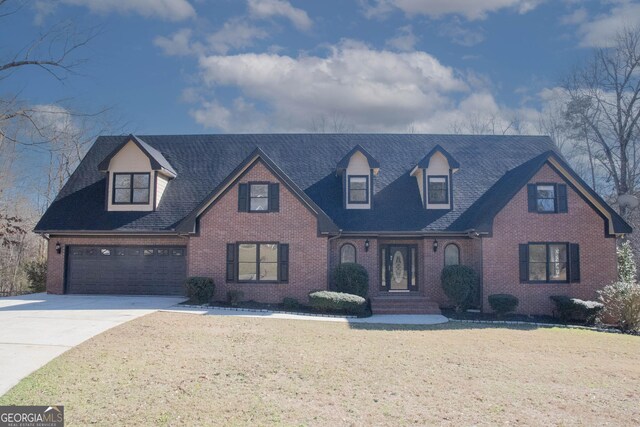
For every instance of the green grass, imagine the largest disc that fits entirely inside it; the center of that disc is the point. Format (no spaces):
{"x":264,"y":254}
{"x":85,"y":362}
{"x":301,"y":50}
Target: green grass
{"x":181,"y":369}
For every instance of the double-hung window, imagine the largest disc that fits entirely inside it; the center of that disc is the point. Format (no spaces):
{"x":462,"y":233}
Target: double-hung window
{"x":131,"y":188}
{"x":257,"y":262}
{"x":549,"y":262}
{"x":438,"y":189}
{"x":547,"y":198}
{"x":358,"y":189}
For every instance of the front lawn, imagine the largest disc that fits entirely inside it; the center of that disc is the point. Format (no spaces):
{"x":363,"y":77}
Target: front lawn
{"x":183,"y":369}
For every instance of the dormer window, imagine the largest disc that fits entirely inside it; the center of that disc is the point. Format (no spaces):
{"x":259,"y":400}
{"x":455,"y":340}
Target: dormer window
{"x":438,"y":189}
{"x":358,"y":169}
{"x":131,"y":188}
{"x":358,"y":189}
{"x":434,"y":176}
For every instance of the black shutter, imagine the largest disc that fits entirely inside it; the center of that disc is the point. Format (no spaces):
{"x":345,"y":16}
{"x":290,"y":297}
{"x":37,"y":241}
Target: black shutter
{"x":574,"y":262}
{"x":274,"y":197}
{"x":562,"y":197}
{"x":231,"y":262}
{"x":283,"y":261}
{"x":531,"y":195}
{"x":243,"y":197}
{"x":524,"y":263}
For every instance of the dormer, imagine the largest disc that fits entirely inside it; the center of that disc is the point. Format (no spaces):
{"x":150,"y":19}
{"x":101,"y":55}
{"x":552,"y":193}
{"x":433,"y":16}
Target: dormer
{"x":434,"y":173}
{"x":357,"y":169}
{"x":137,"y":176}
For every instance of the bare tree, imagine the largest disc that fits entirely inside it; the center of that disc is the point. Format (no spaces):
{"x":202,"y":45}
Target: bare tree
{"x":331,"y":123}
{"x":488,"y":124}
{"x":604,"y":109}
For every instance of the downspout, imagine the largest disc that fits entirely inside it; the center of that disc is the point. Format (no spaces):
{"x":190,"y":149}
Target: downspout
{"x":337,"y":236}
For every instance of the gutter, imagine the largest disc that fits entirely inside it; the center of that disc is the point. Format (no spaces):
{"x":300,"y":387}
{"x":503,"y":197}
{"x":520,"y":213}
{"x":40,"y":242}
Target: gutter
{"x":471,"y":234}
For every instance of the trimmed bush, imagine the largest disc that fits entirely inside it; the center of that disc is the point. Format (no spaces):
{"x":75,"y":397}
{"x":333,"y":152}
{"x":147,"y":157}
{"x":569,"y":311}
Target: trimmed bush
{"x":234,"y":297}
{"x":460,"y":283}
{"x":351,"y":278}
{"x":340,"y":302}
{"x":290,"y":303}
{"x":503,"y":303}
{"x":576,"y":309}
{"x":36,"y":272}
{"x":622,"y":304}
{"x":200,"y":289}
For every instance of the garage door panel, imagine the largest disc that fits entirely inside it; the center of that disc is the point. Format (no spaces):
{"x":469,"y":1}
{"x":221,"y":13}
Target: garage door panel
{"x":158,"y":270}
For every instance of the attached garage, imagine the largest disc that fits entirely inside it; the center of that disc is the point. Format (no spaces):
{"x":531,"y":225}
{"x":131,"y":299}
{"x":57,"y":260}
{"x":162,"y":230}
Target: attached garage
{"x":126,"y":270}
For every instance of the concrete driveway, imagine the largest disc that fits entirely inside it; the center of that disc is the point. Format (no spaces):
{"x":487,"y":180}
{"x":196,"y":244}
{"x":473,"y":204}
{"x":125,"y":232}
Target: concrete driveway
{"x":36,"y":328}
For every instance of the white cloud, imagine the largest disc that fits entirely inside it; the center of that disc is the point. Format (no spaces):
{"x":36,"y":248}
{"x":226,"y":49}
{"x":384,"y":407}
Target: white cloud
{"x":234,"y":34}
{"x":171,"y":10}
{"x":461,"y":35}
{"x":372,"y":89}
{"x":470,"y":9}
{"x":600,"y":31}
{"x":270,"y":8}
{"x":404,"y":39}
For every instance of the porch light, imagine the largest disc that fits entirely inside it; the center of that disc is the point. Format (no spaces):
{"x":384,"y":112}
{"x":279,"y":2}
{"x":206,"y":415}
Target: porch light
{"x":58,"y":248}
{"x":435,"y":245}
{"x":366,"y":245}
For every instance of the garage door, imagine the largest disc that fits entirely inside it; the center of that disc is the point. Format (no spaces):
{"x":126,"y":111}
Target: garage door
{"x":153,"y":270}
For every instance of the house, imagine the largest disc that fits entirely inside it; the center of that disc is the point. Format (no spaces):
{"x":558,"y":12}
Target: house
{"x":272,"y":215}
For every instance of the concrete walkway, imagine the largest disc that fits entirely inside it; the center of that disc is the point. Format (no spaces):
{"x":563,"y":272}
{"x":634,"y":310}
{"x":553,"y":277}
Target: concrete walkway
{"x":380,"y":319}
{"x":36,"y":328}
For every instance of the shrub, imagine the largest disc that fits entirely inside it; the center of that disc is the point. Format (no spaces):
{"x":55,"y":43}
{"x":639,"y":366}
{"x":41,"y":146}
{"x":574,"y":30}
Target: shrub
{"x":460,"y":283}
{"x":200,"y":289}
{"x":622,"y":304}
{"x":338,"y":302}
{"x":503,"y":303}
{"x":234,"y":297}
{"x":36,"y":272}
{"x":626,"y":263}
{"x":576,"y":309}
{"x":351,"y":278}
{"x":290,"y":303}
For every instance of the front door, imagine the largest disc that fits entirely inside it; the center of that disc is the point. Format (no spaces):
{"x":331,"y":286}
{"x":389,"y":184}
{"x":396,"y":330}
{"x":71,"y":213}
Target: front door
{"x":398,"y":268}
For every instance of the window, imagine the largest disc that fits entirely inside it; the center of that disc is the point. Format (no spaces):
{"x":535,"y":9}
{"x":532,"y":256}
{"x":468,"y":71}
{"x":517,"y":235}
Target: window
{"x":163,"y":252}
{"x":451,"y":254}
{"x":131,"y":188}
{"x":347,"y":253}
{"x":120,"y":252}
{"x":546,"y":198}
{"x":438,"y":187}
{"x":258,"y":262}
{"x":358,"y":189}
{"x":105,"y":252}
{"x":178,"y":252}
{"x":147,"y":252}
{"x":258,"y":197}
{"x":548,"y":262}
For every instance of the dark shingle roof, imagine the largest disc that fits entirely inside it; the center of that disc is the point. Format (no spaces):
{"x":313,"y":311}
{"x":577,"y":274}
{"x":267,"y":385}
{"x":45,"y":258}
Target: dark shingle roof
{"x":202,"y":162}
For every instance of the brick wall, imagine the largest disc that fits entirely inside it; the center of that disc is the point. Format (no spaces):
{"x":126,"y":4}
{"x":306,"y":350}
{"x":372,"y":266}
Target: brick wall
{"x":293,"y":224}
{"x":430,"y":263}
{"x":55,"y":261}
{"x":515,"y":225}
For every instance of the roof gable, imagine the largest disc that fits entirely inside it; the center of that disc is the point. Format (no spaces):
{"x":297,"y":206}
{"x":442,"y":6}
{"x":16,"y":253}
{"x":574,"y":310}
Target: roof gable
{"x":344,"y":162}
{"x":424,"y":162}
{"x":481,"y":214}
{"x":157,"y":160}
{"x":324,"y":222}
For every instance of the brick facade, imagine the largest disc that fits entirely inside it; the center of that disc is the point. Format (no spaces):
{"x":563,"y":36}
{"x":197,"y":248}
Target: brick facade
{"x":430,"y":263}
{"x":293,"y":224}
{"x":515,"y":225}
{"x":55,"y":261}
{"x":312,"y":257}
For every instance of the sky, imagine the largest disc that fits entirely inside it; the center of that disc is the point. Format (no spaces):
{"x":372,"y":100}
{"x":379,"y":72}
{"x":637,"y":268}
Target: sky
{"x":235,"y":66}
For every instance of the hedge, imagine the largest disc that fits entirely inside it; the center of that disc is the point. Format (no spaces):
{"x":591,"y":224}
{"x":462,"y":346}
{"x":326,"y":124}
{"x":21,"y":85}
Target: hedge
{"x":200,"y":289}
{"x":338,"y":302}
{"x":351,"y":278}
{"x":576,"y":309}
{"x":503,"y":303}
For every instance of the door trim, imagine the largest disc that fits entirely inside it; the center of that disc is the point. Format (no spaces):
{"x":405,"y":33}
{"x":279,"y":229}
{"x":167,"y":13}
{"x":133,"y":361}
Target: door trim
{"x":412,"y":285}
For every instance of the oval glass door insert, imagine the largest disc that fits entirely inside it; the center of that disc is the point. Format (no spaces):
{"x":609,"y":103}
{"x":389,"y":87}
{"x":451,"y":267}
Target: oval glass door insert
{"x":398,"y":270}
